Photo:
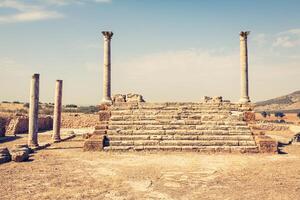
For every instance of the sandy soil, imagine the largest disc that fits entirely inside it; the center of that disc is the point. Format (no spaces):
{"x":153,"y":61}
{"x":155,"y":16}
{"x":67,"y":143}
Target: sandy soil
{"x":64,"y":171}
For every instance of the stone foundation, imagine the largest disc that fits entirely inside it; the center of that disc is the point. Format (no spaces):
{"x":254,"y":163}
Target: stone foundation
{"x":266,"y":144}
{"x":211,"y":126}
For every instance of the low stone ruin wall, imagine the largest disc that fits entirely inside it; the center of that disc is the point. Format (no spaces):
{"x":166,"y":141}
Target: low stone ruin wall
{"x":19,"y":124}
{"x":270,"y":127}
{"x":79,"y":120}
{"x":2,"y":126}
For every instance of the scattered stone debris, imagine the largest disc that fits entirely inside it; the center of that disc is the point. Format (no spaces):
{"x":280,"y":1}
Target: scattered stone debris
{"x":130,"y":98}
{"x":296,"y":138}
{"x":134,"y":98}
{"x":217,"y":99}
{"x":20,"y":153}
{"x":119,"y":98}
{"x":4,"y":155}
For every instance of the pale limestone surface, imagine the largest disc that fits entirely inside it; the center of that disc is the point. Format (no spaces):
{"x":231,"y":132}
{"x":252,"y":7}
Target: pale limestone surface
{"x":57,"y":111}
{"x":33,"y":111}
{"x":244,"y":67}
{"x":212,"y":126}
{"x":107,"y":67}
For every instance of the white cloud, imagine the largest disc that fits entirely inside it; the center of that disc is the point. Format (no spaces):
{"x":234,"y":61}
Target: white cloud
{"x":68,"y":2}
{"x":30,"y":16}
{"x":288,"y":39}
{"x":37,"y":9}
{"x":26,"y":12}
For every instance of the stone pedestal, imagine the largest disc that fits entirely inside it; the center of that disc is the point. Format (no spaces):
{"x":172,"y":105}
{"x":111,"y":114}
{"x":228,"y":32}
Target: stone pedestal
{"x":244,"y":67}
{"x":96,"y":140}
{"x":57,"y":111}
{"x":107,"y":68}
{"x":33,"y":111}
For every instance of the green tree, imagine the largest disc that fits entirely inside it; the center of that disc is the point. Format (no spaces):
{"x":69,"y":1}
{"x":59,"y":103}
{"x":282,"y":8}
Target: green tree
{"x":279,"y":114}
{"x":264,"y":114}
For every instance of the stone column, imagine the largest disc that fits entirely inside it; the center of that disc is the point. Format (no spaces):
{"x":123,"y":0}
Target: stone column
{"x":33,"y":111}
{"x":244,"y":67}
{"x":57,"y":111}
{"x":107,"y":68}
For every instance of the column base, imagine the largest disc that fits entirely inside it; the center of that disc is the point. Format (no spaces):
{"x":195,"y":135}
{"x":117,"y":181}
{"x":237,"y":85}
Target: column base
{"x":244,"y":100}
{"x":56,"y":140}
{"x":106,"y":101}
{"x":33,"y":145}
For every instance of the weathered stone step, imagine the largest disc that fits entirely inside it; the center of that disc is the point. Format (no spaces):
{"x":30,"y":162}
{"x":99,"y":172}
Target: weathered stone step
{"x":168,"y":112}
{"x":204,"y":149}
{"x":173,"y":125}
{"x":180,"y":143}
{"x":183,"y":105}
{"x":176,"y":131}
{"x":177,"y":127}
{"x":226,"y":122}
{"x":101,"y":127}
{"x":180,"y":137}
{"x":147,"y":105}
{"x":179,"y":120}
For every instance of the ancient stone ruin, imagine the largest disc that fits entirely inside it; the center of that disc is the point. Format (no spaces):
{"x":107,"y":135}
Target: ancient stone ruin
{"x":127,"y":122}
{"x":12,"y":125}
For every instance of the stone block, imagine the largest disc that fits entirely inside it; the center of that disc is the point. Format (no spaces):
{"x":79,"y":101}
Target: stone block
{"x":119,"y":98}
{"x":217,"y":99}
{"x":266,"y":144}
{"x":4,"y":155}
{"x":94,"y":143}
{"x":104,"y":115}
{"x":4,"y":151}
{"x":296,"y":138}
{"x":249,"y":116}
{"x":207,"y":99}
{"x":103,"y":107}
{"x":20,"y":154}
{"x":134,"y":98}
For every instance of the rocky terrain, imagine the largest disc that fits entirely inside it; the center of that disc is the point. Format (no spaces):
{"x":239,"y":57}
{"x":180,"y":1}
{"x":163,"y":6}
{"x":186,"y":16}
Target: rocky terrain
{"x":290,"y":102}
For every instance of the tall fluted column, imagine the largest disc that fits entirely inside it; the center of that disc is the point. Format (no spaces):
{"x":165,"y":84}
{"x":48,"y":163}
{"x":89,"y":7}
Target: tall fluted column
{"x":57,"y":111}
{"x":33,"y":111}
{"x":244,"y":67}
{"x":107,"y":68}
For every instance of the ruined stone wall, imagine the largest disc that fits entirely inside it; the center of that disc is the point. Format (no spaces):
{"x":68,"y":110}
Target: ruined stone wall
{"x":2,"y":126}
{"x":270,"y":127}
{"x":79,"y":120}
{"x":11,"y":125}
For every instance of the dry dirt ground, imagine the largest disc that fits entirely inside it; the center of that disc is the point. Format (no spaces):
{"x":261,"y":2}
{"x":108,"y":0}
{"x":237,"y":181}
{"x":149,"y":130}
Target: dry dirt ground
{"x":64,"y":171}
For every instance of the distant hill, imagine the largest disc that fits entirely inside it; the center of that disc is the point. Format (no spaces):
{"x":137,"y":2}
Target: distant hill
{"x":290,"y":102}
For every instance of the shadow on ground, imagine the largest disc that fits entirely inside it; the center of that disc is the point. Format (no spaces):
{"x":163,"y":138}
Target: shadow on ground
{"x":8,"y":138}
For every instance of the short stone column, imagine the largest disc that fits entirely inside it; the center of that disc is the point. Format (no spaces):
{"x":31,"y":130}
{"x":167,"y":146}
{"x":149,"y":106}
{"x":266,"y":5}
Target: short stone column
{"x":244,"y":67}
{"x":57,"y":111}
{"x":33,"y":111}
{"x":107,"y":68}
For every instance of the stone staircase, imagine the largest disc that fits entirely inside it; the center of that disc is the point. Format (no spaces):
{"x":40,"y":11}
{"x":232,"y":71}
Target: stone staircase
{"x":204,"y":127}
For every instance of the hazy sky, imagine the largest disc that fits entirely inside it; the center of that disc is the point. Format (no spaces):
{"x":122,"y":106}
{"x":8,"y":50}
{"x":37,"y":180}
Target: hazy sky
{"x":166,"y":50}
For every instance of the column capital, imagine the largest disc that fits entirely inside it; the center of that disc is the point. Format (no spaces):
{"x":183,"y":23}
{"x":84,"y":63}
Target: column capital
{"x":107,"y":35}
{"x":244,"y":34}
{"x":36,"y":76}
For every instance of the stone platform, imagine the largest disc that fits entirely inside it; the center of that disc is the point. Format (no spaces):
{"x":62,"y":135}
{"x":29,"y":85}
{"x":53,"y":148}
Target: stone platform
{"x":205,"y":127}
